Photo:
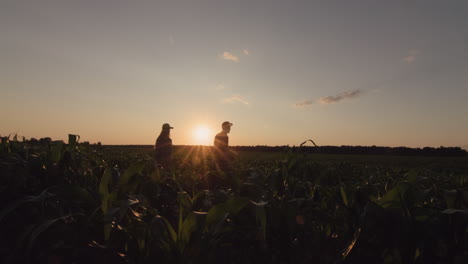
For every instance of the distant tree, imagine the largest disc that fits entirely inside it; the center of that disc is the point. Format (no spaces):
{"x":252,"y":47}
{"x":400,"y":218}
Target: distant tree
{"x":45,"y":141}
{"x":361,"y":150}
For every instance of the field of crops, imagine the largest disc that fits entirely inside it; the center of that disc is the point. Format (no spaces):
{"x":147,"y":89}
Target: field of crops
{"x":81,"y":203}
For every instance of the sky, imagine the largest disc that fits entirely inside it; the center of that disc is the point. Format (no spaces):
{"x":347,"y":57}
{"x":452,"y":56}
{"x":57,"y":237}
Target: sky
{"x":364,"y":72}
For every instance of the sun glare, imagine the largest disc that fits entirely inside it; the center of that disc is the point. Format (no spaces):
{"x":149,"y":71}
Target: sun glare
{"x":202,"y":135}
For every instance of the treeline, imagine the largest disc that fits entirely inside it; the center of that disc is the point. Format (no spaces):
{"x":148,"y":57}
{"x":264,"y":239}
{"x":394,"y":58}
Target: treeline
{"x":47,"y":140}
{"x":363,"y":150}
{"x":352,"y":150}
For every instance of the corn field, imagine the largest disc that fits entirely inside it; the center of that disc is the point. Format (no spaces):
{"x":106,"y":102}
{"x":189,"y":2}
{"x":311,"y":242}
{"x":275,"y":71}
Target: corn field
{"x":81,"y":203}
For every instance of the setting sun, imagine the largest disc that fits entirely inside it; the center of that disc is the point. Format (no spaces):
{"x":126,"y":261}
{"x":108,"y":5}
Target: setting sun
{"x":202,"y":135}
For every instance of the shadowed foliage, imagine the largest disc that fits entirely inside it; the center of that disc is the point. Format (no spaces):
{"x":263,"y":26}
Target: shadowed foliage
{"x":82,"y":203}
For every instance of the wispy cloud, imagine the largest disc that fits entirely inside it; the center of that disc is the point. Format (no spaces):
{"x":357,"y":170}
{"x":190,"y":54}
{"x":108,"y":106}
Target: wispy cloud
{"x":304,"y":103}
{"x":171,"y":39}
{"x":340,"y":97}
{"x":331,"y":99}
{"x":412,"y":56}
{"x":235,"y":99}
{"x":246,"y":52}
{"x":220,"y":87}
{"x":229,"y":56}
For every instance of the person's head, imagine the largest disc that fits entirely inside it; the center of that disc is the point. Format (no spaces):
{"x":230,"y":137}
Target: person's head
{"x":166,"y":129}
{"x":226,"y":126}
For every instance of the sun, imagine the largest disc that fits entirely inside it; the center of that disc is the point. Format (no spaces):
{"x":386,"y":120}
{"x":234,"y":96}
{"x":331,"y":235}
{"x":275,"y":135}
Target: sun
{"x":202,"y":135}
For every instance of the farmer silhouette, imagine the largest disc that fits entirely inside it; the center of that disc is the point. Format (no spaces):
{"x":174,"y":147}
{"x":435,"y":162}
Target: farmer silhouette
{"x":163,"y":148}
{"x":221,"y":146}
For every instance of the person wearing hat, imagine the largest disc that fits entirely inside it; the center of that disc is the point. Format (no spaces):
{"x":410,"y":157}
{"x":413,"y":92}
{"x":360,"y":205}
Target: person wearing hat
{"x":163,"y":147}
{"x":221,"y":145}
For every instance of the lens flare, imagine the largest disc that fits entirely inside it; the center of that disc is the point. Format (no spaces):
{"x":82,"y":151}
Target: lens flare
{"x":202,"y":135}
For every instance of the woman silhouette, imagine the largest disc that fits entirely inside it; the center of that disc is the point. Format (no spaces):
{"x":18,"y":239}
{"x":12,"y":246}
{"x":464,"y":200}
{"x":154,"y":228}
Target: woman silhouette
{"x":163,"y":148}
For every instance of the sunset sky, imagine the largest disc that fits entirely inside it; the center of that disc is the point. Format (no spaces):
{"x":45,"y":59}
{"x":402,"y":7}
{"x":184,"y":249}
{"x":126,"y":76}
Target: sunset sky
{"x":386,"y":73}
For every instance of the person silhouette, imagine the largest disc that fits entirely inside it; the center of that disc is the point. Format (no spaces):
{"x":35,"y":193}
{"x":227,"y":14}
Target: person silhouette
{"x":163,"y":148}
{"x":221,"y":146}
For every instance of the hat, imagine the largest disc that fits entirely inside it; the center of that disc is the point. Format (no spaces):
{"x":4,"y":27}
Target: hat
{"x":167,"y":126}
{"x":227,"y":123}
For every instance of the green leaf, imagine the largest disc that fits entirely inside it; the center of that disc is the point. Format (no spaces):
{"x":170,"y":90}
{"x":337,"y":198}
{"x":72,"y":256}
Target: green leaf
{"x":219,"y":212}
{"x":104,"y":189}
{"x":75,"y":193}
{"x":185,"y":202}
{"x":41,"y":228}
{"x":12,"y":206}
{"x":260,"y":215}
{"x":126,"y":205}
{"x":343,"y":196}
{"x":72,"y":139}
{"x":412,"y":176}
{"x":199,"y":195}
{"x":133,"y":170}
{"x":56,"y":150}
{"x":259,"y":203}
{"x":169,"y":228}
{"x":417,"y":253}
{"x":454,"y":211}
{"x":393,"y":198}
{"x":107,"y":231}
{"x":191,"y":223}
{"x":450,"y":198}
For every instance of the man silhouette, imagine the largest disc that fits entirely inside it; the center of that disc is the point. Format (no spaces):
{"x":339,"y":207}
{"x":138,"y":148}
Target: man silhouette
{"x":221,"y":145}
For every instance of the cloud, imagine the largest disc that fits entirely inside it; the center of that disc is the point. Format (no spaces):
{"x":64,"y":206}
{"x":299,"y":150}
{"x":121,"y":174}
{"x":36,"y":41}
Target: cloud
{"x":412,"y":55}
{"x":220,"y":87}
{"x":246,"y":52}
{"x":171,"y":39}
{"x":340,"y":97}
{"x":229,"y":56}
{"x":235,"y":99}
{"x":330,"y":99}
{"x":304,"y":103}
